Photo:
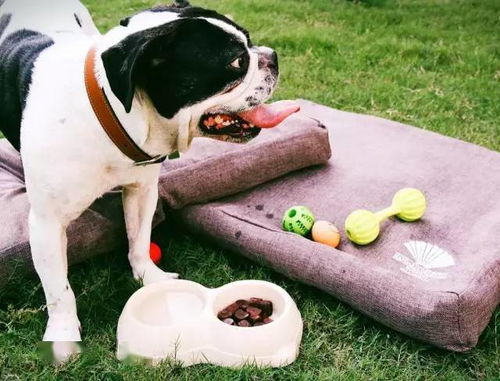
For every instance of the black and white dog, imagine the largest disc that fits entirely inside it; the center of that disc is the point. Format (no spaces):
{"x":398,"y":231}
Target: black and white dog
{"x":165,"y":71}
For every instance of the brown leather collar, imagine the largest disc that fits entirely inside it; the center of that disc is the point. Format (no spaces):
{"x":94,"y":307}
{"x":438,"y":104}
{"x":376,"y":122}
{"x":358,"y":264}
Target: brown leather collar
{"x":108,"y":119}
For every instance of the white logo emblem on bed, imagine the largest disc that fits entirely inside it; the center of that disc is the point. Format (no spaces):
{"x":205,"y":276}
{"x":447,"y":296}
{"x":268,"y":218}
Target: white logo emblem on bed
{"x":424,"y":258}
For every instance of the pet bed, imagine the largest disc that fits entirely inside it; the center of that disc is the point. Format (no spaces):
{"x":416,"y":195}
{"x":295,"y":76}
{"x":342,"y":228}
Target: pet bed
{"x":436,"y":280}
{"x":390,"y":280}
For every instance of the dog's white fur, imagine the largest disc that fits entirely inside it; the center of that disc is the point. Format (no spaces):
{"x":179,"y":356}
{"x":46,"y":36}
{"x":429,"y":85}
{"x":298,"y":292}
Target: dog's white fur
{"x":69,"y":161}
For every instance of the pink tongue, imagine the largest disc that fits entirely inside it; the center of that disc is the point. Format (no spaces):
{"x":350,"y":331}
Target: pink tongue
{"x":270,"y":115}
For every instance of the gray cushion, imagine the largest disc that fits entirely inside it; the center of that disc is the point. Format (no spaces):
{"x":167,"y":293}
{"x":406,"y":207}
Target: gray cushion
{"x":373,"y":158}
{"x":213,"y":169}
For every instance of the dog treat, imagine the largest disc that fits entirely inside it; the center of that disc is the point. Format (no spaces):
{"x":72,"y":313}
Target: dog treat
{"x":228,"y":321}
{"x":265,"y":305}
{"x":244,"y":323}
{"x":254,"y":310}
{"x":242,"y":303}
{"x":241,"y":314}
{"x":228,"y":311}
{"x":247,"y":313}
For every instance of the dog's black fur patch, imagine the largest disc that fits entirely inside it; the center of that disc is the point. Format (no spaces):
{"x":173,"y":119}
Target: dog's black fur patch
{"x":18,"y":53}
{"x":177,"y":4}
{"x":193,"y":12}
{"x":184,"y":9}
{"x":177,"y":64}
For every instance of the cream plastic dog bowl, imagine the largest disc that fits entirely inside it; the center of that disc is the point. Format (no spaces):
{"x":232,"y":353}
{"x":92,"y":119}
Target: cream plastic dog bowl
{"x":177,"y":319}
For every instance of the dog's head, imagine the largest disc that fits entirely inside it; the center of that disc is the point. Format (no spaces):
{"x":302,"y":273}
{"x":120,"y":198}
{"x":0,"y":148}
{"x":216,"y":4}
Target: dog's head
{"x":196,"y":59}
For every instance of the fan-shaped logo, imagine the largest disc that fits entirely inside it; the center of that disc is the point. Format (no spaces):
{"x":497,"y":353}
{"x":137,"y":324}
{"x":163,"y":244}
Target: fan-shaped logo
{"x":425,"y":257}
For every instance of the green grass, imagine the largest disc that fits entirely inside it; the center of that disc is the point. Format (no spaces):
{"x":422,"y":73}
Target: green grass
{"x":433,"y":64}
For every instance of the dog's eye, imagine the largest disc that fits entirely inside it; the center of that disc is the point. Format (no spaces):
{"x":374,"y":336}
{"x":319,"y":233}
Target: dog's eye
{"x":237,"y":63}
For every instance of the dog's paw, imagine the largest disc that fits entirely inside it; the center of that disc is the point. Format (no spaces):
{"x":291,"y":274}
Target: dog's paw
{"x":153,"y":274}
{"x":59,"y":352}
{"x":62,"y":351}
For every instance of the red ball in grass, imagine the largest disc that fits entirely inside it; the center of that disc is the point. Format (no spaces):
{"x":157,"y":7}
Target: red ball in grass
{"x":155,"y":253}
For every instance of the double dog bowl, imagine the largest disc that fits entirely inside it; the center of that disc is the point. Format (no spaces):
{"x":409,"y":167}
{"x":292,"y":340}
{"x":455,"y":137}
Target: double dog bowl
{"x":177,"y":320}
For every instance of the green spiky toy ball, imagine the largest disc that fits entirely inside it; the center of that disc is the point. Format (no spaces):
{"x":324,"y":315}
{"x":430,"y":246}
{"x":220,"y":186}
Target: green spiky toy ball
{"x":298,"y":220}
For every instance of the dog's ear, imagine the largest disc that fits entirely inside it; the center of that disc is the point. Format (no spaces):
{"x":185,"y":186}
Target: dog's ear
{"x":126,"y":61}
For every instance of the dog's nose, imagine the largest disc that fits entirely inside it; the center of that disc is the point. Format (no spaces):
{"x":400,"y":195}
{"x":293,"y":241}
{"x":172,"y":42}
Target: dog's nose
{"x":269,"y":60}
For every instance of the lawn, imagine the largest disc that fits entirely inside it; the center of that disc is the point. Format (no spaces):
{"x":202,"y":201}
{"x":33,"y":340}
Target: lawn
{"x":433,"y":64}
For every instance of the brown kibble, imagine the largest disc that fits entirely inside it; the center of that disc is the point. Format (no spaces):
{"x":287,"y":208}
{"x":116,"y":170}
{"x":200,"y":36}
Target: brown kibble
{"x":242,"y":303}
{"x":254,"y":310}
{"x":255,"y":318}
{"x":244,"y":323}
{"x":224,"y":314}
{"x":265,"y":305}
{"x":255,"y":300}
{"x":268,"y":307}
{"x":241,"y":314}
{"x":229,"y":321}
{"x":232,"y":308}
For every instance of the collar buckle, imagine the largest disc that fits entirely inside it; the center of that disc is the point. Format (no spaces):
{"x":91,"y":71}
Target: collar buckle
{"x":155,"y":160}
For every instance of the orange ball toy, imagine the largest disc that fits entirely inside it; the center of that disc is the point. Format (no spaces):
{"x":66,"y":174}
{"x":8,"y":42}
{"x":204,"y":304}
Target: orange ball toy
{"x":155,"y":253}
{"x":326,"y":233}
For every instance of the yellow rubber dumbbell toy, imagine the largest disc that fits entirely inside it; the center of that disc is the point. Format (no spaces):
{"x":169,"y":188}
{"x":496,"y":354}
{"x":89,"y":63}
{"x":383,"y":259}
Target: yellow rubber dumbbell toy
{"x":363,"y":227}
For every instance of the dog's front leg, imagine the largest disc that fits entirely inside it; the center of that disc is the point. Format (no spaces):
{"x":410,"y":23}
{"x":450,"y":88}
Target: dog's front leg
{"x":48,"y":246}
{"x":139,"y":203}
